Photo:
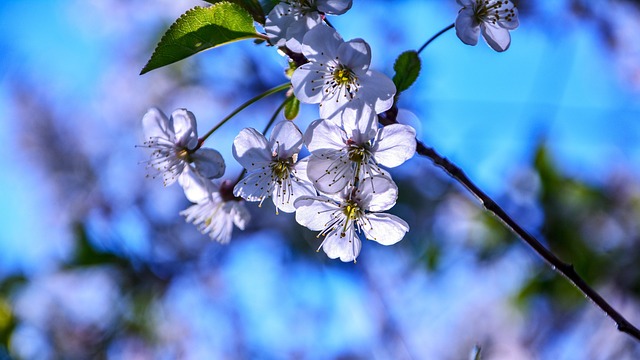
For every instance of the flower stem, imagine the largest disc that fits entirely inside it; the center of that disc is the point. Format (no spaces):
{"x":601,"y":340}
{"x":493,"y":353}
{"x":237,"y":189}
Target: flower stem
{"x":435,"y":37}
{"x":271,"y":91}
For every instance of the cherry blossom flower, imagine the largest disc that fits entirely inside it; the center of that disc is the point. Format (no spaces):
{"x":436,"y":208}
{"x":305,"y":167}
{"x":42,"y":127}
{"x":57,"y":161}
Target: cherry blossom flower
{"x":338,"y":76}
{"x":354,"y":211}
{"x":216,"y":210}
{"x":492,"y":18}
{"x":273,"y":169}
{"x":289,"y":21}
{"x":174,"y":143}
{"x":342,"y":156}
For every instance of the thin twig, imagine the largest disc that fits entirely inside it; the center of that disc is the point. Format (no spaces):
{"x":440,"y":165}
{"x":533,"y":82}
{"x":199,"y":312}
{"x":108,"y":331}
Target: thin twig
{"x":565,"y":269}
{"x":435,"y":37}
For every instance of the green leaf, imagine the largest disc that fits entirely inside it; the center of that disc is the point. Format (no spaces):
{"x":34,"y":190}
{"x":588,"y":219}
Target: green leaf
{"x":291,"y":108}
{"x":253,"y":7}
{"x":200,"y":29}
{"x":407,"y":69}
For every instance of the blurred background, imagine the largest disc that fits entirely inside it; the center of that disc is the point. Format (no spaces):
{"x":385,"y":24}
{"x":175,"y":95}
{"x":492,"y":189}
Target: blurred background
{"x":95,"y":261}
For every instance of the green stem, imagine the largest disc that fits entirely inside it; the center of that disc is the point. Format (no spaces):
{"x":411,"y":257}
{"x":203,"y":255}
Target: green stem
{"x":272,"y":91}
{"x":435,"y":37}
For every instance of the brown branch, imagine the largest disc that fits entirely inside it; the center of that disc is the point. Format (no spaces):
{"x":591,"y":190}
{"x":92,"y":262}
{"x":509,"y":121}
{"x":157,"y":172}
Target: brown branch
{"x":565,"y":269}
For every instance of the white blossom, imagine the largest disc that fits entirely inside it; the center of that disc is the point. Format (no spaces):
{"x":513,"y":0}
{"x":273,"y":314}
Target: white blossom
{"x":175,"y":148}
{"x":354,"y":211}
{"x":216,"y":211}
{"x":289,"y":21}
{"x":344,"y":156}
{"x":272,"y":166}
{"x":492,"y":18}
{"x":337,"y":75}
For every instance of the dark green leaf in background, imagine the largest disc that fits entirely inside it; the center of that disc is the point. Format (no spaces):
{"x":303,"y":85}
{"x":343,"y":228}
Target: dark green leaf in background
{"x":201,"y":29}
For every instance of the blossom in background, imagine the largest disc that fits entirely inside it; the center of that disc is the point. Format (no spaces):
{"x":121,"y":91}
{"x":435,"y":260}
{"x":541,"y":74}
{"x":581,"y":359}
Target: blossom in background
{"x":289,"y":21}
{"x":216,"y":211}
{"x":342,"y":217}
{"x":494,"y":18}
{"x":338,"y":75}
{"x":272,"y":166}
{"x":344,"y":156}
{"x":174,"y":143}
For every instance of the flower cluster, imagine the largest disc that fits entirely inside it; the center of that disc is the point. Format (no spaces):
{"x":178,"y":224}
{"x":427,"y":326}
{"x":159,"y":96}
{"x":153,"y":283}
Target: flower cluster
{"x":342,"y":188}
{"x":177,"y":155}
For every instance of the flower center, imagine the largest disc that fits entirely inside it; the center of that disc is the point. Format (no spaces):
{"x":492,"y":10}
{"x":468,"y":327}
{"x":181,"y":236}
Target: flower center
{"x":281,"y":168}
{"x":344,"y":76}
{"x":359,"y":154}
{"x":492,"y":11}
{"x":302,"y":7}
{"x":183,"y":154}
{"x":351,"y":210}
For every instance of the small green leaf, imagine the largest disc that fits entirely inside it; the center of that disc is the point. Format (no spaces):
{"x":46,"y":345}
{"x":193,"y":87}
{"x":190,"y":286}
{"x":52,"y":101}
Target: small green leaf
{"x":199,"y":29}
{"x":253,"y":7}
{"x":291,"y":108}
{"x":407,"y":69}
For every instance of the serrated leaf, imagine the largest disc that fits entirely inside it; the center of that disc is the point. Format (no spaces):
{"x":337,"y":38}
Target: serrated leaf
{"x":407,"y":68}
{"x":253,"y":7}
{"x":200,"y":29}
{"x":291,"y":108}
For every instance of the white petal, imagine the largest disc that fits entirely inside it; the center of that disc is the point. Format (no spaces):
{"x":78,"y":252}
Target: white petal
{"x":333,"y":104}
{"x":331,"y":175}
{"x":286,"y":139}
{"x":467,"y":28}
{"x":277,"y":23}
{"x":323,"y":135}
{"x":307,"y":83}
{"x":220,"y":224}
{"x":251,"y":150}
{"x":360,"y":123}
{"x":184,"y":125}
{"x":315,"y":212}
{"x":355,"y":54}
{"x":385,"y":229}
{"x":299,"y":28}
{"x":209,"y":163}
{"x":255,"y":186}
{"x":196,"y":187}
{"x":241,"y":215}
{"x":345,"y":247}
{"x":514,"y":22}
{"x":377,"y":90}
{"x":395,"y":144}
{"x":285,"y":200}
{"x":377,"y":193}
{"x":299,"y":170}
{"x":334,"y":7}
{"x":156,"y":125}
{"x":498,"y":38}
{"x":321,"y":44}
